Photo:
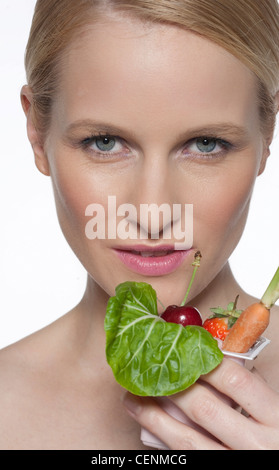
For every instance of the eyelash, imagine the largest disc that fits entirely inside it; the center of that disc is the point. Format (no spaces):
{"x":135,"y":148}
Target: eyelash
{"x":225,"y":146}
{"x":89,"y":141}
{"x":218,"y":141}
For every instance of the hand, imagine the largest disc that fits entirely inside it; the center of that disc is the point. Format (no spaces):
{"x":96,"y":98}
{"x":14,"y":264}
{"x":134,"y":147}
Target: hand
{"x":259,"y":430}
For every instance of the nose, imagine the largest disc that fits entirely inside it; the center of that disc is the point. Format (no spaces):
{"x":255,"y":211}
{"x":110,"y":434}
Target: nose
{"x":154,"y":196}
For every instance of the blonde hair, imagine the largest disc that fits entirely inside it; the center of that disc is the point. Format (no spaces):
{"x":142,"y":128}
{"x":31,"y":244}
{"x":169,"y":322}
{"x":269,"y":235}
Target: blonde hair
{"x":248,"y":29}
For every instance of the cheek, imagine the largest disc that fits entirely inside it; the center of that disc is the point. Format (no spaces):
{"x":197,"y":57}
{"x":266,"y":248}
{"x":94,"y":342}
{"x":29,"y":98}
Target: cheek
{"x":225,"y":207}
{"x":222,"y":211}
{"x":75,"y":187}
{"x":72,"y":195}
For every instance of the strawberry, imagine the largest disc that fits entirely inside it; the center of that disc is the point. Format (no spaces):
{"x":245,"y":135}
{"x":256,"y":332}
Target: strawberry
{"x":222,"y":320}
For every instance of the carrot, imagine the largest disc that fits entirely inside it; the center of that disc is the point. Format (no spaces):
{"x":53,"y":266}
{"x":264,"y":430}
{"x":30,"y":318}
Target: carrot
{"x":253,"y":320}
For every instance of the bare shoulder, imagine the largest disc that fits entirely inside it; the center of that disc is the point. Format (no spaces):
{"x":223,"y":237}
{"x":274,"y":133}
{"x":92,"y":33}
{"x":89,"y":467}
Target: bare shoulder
{"x":26,"y":357}
{"x":29,"y":375}
{"x":53,"y":396}
{"x":17,"y":384}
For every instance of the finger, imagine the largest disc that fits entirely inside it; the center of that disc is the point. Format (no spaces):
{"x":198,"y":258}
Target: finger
{"x":247,"y":389}
{"x":173,"y":433}
{"x":214,"y":415}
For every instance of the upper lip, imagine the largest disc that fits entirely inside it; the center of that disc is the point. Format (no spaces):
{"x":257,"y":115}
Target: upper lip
{"x":145,"y":248}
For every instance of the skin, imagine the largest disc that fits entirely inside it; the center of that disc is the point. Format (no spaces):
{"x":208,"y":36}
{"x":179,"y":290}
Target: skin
{"x":58,"y":391}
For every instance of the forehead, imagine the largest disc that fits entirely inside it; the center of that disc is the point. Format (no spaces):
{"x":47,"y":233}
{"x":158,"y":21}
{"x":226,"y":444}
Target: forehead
{"x":126,"y":68}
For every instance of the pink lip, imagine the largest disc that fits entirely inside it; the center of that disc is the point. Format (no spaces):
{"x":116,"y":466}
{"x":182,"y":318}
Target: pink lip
{"x":152,"y":266}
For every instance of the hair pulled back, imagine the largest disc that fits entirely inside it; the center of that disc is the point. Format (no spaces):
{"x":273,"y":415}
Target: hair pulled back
{"x":248,"y":29}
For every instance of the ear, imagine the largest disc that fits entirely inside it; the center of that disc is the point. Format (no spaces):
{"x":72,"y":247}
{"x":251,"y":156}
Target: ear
{"x":267,"y":142}
{"x":41,"y":160}
{"x":265,"y":155}
{"x":277,"y":102}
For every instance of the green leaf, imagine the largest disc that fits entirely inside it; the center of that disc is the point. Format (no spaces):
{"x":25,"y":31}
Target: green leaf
{"x":231,"y":321}
{"x":219,"y":315}
{"x":271,"y":294}
{"x":217,"y":311}
{"x":148,"y":355}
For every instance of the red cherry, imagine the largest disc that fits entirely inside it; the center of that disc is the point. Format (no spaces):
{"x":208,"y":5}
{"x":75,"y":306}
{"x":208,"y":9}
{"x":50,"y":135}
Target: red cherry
{"x":184,"y":315}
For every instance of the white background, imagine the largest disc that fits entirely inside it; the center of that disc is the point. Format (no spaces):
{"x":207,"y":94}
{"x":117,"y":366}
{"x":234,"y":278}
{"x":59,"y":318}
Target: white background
{"x":40,"y":277}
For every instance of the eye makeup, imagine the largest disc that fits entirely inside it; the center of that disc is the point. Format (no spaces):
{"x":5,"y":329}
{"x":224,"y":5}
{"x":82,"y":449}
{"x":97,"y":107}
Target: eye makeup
{"x":213,"y":142}
{"x":207,"y":147}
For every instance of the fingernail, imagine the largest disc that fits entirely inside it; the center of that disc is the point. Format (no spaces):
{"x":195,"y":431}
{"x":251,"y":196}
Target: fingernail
{"x":132,"y":403}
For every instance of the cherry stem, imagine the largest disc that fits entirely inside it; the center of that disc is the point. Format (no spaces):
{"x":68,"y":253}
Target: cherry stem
{"x":161,"y":303}
{"x":196,"y":265}
{"x":235,"y":302}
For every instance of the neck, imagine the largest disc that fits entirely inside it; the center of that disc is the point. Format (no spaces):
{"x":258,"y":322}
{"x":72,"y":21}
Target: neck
{"x":87,"y":322}
{"x":94,"y":299}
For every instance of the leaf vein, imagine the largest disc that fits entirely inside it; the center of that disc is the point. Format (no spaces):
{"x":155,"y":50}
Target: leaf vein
{"x":139,"y":303}
{"x":142,"y":343}
{"x":137,"y":320}
{"x":170,"y":351}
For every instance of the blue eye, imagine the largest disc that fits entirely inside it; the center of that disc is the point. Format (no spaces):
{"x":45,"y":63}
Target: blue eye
{"x":205,"y":144}
{"x":207,"y":147}
{"x":105,"y":143}
{"x":105,"y":147}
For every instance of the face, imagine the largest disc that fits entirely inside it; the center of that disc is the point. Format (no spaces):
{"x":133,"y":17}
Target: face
{"x":153,"y":115}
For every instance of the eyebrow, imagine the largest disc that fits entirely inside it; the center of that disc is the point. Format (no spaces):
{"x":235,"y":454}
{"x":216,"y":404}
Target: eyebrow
{"x":221,"y":130}
{"x":212,"y":130}
{"x":93,"y":126}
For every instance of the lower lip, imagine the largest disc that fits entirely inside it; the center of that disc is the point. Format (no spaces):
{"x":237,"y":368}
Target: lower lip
{"x":153,"y":266}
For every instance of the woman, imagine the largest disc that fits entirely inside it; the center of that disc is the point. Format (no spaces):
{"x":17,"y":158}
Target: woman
{"x":166,"y":102}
